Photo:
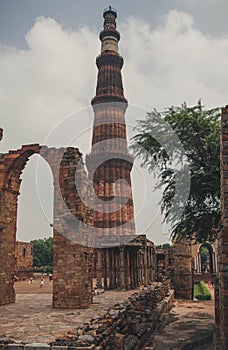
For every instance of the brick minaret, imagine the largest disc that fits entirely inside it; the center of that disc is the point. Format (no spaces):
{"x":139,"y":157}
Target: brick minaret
{"x":109,"y":163}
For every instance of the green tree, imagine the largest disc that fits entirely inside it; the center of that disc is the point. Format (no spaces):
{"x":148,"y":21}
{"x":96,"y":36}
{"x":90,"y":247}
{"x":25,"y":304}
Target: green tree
{"x":204,"y":253}
{"x":179,"y":141}
{"x":164,"y":246}
{"x":43,"y":252}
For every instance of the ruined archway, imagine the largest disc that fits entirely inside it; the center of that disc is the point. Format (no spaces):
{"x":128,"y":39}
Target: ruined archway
{"x":72,"y":283}
{"x":206,"y":259}
{"x":12,"y":165}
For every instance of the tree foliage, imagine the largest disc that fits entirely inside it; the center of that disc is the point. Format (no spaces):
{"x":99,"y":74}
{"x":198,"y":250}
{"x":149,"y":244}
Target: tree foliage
{"x":177,"y":142}
{"x":43,"y":252}
{"x":164,"y":246}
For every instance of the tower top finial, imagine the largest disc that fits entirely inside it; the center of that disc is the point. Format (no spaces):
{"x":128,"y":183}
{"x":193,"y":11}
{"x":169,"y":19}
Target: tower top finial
{"x":110,"y":10}
{"x":109,"y":36}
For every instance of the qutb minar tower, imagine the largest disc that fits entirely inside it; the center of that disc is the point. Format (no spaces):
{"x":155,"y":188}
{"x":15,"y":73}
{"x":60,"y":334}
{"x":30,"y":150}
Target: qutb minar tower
{"x":109,"y":163}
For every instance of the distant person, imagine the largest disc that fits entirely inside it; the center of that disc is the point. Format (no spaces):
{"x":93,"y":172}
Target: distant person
{"x":41,"y":283}
{"x":50,"y":276}
{"x":30,"y":280}
{"x":15,"y":279}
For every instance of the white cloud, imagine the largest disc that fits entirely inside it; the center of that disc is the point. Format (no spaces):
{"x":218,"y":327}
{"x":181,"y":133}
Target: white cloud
{"x":174,"y":63}
{"x":56,"y":74}
{"x":42,"y":84}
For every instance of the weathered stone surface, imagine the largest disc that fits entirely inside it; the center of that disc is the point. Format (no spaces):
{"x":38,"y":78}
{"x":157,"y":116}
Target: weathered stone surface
{"x":24,"y":259}
{"x":37,"y":346}
{"x":14,"y":347}
{"x":222,"y":316}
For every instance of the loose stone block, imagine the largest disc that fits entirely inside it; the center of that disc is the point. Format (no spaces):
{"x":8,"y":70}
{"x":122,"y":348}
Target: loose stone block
{"x":14,"y":346}
{"x":37,"y":346}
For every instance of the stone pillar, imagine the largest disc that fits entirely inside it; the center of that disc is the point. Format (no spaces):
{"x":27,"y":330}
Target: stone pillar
{"x":108,"y":268}
{"x":127,"y":267}
{"x":72,"y":266}
{"x":141,"y":259}
{"x":105,"y":268}
{"x":72,"y":252}
{"x":183,"y":270}
{"x":8,"y":220}
{"x":146,"y":270}
{"x":111,"y":267}
{"x":122,"y":268}
{"x":99,"y":268}
{"x":135,"y":270}
{"x":131,"y":257}
{"x":152,"y":265}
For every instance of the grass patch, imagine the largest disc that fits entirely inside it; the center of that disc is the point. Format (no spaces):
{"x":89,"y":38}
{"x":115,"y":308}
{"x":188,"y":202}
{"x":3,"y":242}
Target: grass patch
{"x":201,"y":292}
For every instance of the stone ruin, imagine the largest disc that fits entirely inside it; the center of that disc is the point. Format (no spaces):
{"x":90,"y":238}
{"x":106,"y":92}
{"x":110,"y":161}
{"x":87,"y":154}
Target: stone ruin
{"x":24,"y":260}
{"x":72,"y":261}
{"x":127,"y":260}
{"x":123,"y":262}
{"x":94,"y":238}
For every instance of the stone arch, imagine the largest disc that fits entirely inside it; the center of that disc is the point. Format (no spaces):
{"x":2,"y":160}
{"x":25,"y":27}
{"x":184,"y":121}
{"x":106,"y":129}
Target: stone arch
{"x":13,"y":164}
{"x":72,"y":283}
{"x":211,"y":263}
{"x":16,"y":163}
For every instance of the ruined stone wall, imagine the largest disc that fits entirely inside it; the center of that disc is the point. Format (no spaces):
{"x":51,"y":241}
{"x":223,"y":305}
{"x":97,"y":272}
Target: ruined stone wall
{"x":223,"y":238}
{"x":72,"y":254}
{"x":24,"y":259}
{"x":126,"y":325}
{"x":164,"y":264}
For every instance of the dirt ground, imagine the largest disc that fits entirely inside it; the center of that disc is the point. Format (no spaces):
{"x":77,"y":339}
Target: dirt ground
{"x":24,"y":287}
{"x":32,"y":318}
{"x":188,"y":322}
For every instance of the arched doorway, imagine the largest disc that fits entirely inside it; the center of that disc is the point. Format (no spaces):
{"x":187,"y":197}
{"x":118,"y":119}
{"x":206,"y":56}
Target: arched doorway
{"x":34,"y":235}
{"x":206,"y":259}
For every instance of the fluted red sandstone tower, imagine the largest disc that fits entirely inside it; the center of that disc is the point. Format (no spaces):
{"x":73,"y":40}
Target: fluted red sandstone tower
{"x":109,"y":162}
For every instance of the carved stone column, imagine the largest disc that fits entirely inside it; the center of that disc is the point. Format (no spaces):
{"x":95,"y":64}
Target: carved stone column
{"x":122,"y":268}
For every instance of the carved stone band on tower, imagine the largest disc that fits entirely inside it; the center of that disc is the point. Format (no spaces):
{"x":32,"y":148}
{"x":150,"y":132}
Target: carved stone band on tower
{"x":109,"y":163}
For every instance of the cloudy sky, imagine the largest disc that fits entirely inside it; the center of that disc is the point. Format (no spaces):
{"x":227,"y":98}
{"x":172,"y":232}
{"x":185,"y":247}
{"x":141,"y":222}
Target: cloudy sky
{"x":174,"y":51}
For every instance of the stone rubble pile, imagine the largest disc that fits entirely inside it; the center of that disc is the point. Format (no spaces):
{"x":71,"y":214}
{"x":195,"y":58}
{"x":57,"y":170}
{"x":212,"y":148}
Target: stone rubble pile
{"x":124,"y":326}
